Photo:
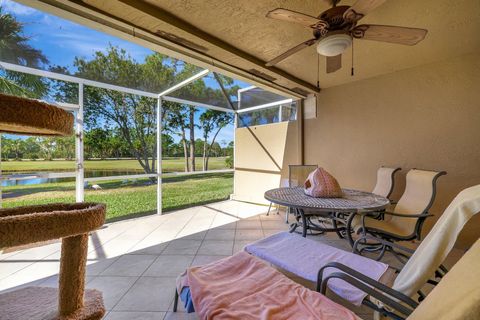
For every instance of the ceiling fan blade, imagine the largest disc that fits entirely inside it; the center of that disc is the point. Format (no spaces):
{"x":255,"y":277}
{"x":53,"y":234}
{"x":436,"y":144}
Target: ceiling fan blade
{"x":392,"y":34}
{"x":291,"y":51}
{"x":334,"y":63}
{"x":360,"y":9}
{"x":297,"y":17}
{"x":331,"y":3}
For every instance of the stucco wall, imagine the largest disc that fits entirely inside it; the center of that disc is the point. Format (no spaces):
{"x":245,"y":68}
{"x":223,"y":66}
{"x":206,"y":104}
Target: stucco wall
{"x":262,"y":156}
{"x":424,"y":117}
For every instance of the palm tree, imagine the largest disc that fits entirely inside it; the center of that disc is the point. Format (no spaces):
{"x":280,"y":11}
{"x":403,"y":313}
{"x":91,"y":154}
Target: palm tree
{"x":14,"y":48}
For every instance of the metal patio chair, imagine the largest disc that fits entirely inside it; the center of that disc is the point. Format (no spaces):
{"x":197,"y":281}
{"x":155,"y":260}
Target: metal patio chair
{"x":297,"y":174}
{"x":383,"y":187}
{"x":406,"y":220}
{"x":385,"y":181}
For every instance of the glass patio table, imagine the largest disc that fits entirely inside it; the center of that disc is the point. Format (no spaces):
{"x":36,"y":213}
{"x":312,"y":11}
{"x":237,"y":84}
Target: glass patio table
{"x":336,"y":209}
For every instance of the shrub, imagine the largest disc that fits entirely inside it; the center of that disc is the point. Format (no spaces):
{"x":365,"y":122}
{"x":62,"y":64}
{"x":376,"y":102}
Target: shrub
{"x":229,"y":162}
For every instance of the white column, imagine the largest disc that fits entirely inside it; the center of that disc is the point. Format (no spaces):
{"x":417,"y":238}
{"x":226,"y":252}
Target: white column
{"x":159,"y":155}
{"x":79,"y":170}
{"x":280,"y":109}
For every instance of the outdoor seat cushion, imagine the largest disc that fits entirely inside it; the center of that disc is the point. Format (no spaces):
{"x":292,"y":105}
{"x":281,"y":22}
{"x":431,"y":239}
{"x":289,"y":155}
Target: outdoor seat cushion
{"x":304,"y":258}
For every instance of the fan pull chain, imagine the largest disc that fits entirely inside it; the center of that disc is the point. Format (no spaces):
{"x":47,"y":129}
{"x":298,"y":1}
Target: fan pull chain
{"x":318,"y":71}
{"x":352,"y":61}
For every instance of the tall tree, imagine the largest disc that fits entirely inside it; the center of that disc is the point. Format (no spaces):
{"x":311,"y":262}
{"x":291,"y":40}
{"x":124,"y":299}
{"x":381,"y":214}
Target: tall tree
{"x":212,"y":121}
{"x":176,"y":122}
{"x":133,"y":116}
{"x":14,"y":48}
{"x":65,"y":147}
{"x":47,"y":147}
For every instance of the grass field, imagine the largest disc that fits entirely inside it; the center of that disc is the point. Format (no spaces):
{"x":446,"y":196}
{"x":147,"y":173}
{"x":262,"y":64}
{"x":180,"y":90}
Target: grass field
{"x":168,"y":164}
{"x":129,"y":200}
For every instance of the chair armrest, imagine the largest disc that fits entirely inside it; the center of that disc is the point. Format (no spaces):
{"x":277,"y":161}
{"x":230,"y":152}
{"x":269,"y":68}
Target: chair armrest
{"x":423,"y":215}
{"x":392,"y":244}
{"x":380,"y":294}
{"x":372,"y":292}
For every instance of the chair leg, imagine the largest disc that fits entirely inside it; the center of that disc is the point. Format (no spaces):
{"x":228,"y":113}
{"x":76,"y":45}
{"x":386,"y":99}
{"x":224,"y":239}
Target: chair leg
{"x":382,"y":253}
{"x":175,"y":301}
{"x":421,"y":296}
{"x":399,"y":256}
{"x":305,"y":226}
{"x":287,"y":212}
{"x":269,"y":207}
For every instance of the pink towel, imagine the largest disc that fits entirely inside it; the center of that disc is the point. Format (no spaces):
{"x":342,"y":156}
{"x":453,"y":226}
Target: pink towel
{"x":244,"y":287}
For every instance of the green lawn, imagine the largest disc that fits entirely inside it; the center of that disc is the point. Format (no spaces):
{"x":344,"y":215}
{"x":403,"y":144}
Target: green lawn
{"x":128,"y":200}
{"x":168,"y":164}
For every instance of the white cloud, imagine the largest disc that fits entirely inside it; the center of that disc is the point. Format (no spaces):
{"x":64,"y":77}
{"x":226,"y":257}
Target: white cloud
{"x":16,"y":8}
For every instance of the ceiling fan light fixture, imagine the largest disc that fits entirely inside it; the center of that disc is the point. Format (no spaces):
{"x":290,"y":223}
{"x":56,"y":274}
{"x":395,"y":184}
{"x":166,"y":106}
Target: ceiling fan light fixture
{"x":334,"y":44}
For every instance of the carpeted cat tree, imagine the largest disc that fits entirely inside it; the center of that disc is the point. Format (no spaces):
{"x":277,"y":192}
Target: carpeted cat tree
{"x":70,"y":222}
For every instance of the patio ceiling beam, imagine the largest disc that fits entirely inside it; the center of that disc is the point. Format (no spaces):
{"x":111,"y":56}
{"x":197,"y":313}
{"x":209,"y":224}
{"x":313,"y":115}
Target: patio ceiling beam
{"x":168,"y":18}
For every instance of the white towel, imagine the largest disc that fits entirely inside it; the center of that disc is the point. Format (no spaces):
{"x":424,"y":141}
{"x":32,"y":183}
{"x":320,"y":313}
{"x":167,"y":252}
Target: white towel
{"x":304,"y":257}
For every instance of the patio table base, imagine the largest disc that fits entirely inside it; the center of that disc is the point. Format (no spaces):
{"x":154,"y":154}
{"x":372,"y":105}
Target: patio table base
{"x":305,"y":222}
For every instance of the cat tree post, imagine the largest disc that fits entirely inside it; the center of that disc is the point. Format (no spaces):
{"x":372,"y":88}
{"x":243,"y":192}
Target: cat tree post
{"x":71,"y":222}
{"x":72,"y":273}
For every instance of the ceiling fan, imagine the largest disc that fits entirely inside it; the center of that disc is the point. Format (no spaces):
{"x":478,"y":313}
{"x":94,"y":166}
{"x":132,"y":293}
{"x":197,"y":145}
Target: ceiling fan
{"x":335,"y":29}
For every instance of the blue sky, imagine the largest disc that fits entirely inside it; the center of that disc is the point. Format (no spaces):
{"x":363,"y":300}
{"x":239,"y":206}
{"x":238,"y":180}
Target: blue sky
{"x":61,"y":40}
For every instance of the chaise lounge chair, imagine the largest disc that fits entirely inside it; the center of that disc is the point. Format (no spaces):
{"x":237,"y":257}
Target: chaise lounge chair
{"x":314,"y":261}
{"x":244,"y":287}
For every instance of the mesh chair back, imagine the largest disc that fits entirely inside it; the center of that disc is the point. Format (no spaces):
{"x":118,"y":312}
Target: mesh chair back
{"x":297,"y":174}
{"x":457,"y":296}
{"x":417,"y":198}
{"x":385,"y":181}
{"x":440,"y":240}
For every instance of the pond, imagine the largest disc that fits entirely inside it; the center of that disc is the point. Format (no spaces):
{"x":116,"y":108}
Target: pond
{"x":88,"y":174}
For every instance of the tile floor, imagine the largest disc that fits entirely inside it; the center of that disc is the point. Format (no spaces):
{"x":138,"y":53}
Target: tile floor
{"x":135,"y":262}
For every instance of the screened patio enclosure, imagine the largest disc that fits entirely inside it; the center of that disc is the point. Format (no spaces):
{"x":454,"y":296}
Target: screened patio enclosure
{"x":249,"y":100}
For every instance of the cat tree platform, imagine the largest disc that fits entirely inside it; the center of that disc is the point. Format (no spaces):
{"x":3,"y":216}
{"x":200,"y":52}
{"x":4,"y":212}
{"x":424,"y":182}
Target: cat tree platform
{"x":71,"y":223}
{"x":32,"y":117}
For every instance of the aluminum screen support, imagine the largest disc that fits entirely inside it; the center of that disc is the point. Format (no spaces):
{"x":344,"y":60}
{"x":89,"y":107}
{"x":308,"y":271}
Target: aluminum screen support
{"x":1,"y":181}
{"x":79,"y":157}
{"x":159,"y":130}
{"x":159,"y":155}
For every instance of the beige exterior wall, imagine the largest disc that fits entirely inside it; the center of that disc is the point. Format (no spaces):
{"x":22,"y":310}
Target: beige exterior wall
{"x":424,"y":117}
{"x":262,"y":156}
